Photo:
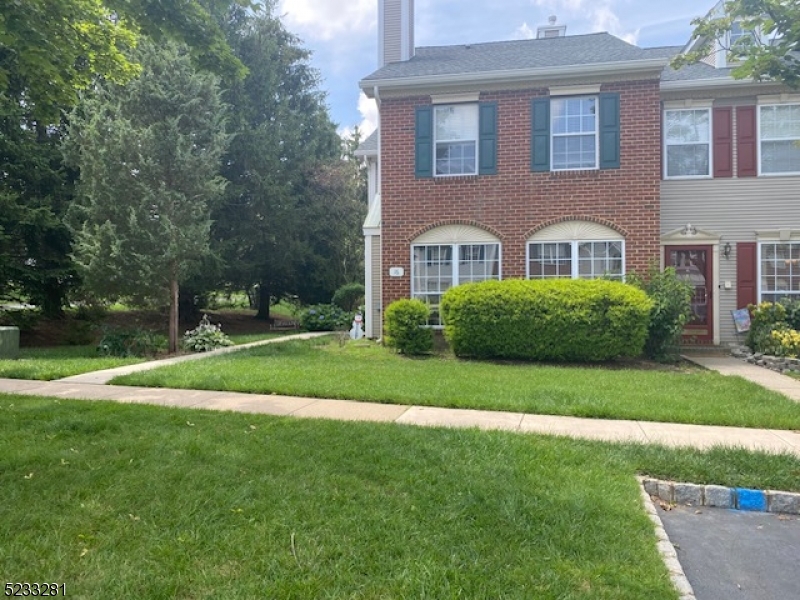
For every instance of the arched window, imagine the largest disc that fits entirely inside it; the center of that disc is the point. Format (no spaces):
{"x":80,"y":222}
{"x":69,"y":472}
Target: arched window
{"x":576,"y":250}
{"x":448,"y":256}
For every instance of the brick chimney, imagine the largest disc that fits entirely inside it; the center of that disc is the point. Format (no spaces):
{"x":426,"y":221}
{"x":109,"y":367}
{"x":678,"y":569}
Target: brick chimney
{"x":395,"y":31}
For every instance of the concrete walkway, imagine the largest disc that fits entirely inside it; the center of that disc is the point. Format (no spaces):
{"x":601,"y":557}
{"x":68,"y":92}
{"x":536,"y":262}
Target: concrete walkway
{"x":89,"y":387}
{"x":772,"y":380}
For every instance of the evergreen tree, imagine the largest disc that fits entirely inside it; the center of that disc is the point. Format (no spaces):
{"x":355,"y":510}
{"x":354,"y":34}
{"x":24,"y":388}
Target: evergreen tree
{"x":148,"y":153}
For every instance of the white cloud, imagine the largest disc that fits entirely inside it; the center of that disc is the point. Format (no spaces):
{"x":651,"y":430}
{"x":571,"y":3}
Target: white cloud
{"x":329,"y":19}
{"x":369,"y":117}
{"x":524,"y":32}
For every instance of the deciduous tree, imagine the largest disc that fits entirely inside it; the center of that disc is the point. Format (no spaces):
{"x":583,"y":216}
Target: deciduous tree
{"x":769,"y":48}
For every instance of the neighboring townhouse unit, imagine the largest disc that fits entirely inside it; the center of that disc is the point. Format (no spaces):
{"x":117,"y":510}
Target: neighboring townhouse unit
{"x":574,"y":156}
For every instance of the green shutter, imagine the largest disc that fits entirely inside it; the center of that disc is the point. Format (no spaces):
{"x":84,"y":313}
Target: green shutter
{"x":609,"y":131}
{"x":423,"y":142}
{"x":487,"y":138}
{"x":540,"y":134}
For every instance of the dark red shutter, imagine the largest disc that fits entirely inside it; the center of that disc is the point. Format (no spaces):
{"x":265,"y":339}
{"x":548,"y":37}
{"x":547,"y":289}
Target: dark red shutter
{"x":746,"y":292}
{"x":746,"y":142}
{"x":723,"y":141}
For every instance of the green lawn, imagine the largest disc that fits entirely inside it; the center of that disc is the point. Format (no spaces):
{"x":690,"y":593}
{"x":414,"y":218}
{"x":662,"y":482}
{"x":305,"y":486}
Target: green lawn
{"x":365,"y":371}
{"x":58,"y":362}
{"x":121,"y":501}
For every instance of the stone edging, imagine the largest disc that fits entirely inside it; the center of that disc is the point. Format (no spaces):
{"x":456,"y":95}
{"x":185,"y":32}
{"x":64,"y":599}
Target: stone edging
{"x":666,"y":548}
{"x":781,"y":364}
{"x":720,"y":496}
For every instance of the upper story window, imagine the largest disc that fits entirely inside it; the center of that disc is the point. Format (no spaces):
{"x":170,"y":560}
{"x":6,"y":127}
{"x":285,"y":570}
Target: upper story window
{"x":456,"y":142}
{"x":452,"y":139}
{"x":779,"y":138}
{"x":575,"y":133}
{"x":573,"y":123}
{"x":687,"y":146}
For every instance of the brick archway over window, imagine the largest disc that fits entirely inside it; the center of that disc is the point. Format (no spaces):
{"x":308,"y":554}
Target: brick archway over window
{"x":578,"y":218}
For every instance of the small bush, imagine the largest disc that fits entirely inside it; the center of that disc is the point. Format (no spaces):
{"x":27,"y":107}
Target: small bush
{"x":349,"y":297}
{"x":672,"y":309}
{"x":573,"y":320}
{"x":205,"y":337}
{"x":324,"y":317}
{"x":131,"y":342}
{"x":404,"y":327}
{"x":765,"y":318}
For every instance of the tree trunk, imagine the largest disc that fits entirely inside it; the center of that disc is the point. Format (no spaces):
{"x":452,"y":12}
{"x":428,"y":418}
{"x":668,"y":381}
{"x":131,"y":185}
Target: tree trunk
{"x":173,"y":315}
{"x":263,"y":302}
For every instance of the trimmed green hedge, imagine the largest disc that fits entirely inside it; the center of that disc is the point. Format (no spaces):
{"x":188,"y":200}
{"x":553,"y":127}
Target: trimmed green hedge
{"x":404,"y":327}
{"x":561,"y":319}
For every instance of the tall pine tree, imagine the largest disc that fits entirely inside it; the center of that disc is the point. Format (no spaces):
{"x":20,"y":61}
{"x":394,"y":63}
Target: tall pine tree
{"x":148,"y":153}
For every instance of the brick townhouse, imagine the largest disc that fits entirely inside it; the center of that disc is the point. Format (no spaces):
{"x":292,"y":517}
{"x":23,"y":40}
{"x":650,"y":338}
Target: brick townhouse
{"x":553,"y":157}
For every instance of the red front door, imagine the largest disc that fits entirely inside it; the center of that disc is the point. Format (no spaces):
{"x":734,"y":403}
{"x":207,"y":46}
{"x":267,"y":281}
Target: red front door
{"x":694,"y":265}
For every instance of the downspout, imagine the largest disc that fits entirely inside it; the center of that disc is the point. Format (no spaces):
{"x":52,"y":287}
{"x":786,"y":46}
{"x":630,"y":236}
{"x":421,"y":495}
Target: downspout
{"x":372,"y":327}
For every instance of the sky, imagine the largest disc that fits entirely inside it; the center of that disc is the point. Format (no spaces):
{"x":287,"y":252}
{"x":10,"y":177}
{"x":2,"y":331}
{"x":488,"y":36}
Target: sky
{"x":343,"y":34}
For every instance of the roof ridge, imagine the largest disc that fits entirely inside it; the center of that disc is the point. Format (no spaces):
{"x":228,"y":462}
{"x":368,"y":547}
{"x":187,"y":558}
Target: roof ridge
{"x":527,"y":40}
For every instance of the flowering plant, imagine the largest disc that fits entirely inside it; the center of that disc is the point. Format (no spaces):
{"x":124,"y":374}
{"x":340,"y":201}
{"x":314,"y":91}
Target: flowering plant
{"x":206,"y":336}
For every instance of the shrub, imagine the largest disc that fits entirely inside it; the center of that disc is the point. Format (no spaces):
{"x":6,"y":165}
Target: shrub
{"x":574,"y":320}
{"x":672,"y":309}
{"x":25,"y":319}
{"x":205,"y":337}
{"x":765,"y":318}
{"x":131,"y":342}
{"x":404,"y":327}
{"x":324,"y":317}
{"x":349,"y":297}
{"x":792,"y":312}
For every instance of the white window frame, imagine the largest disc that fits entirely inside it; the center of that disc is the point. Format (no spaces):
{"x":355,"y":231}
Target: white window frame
{"x":574,"y":257}
{"x":455,"y":275}
{"x":437,"y":141}
{"x":794,"y":270}
{"x":667,"y":144}
{"x":553,"y":135}
{"x":761,"y":139}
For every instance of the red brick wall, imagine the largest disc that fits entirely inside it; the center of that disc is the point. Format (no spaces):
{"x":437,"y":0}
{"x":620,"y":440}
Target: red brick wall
{"x":515,"y":202}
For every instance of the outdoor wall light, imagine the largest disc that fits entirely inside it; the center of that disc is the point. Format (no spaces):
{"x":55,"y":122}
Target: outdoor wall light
{"x":726,"y":251}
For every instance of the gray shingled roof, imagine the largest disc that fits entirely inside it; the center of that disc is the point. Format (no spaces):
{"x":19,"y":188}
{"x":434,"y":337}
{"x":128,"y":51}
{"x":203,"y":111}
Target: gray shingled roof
{"x":695,"y":72}
{"x":575,"y":50}
{"x":369,"y":146}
